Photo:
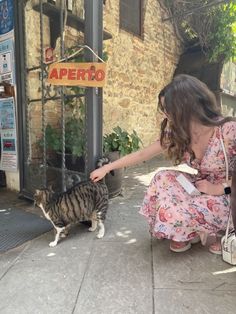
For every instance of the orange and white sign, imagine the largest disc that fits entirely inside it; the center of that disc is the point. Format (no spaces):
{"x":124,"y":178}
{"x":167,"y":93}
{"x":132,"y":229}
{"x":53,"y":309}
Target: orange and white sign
{"x":91,"y":74}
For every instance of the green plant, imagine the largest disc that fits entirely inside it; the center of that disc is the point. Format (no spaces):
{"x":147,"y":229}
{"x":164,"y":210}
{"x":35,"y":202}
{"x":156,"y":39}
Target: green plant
{"x":122,"y":141}
{"x":52,"y":138}
{"x":210,"y":24}
{"x":74,"y":137}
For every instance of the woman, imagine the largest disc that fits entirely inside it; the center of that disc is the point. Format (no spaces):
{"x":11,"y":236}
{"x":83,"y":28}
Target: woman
{"x":190,"y":133}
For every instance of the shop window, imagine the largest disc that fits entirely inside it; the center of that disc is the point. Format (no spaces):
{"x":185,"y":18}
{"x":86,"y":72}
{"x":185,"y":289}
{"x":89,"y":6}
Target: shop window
{"x":131,"y":13}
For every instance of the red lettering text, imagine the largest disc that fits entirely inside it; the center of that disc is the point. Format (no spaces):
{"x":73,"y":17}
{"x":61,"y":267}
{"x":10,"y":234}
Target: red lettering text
{"x":81,"y":74}
{"x":63,"y":72}
{"x":54,"y":74}
{"x":71,"y":74}
{"x":99,"y":75}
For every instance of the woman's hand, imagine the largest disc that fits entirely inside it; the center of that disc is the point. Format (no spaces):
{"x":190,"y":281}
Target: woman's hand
{"x":98,"y":174}
{"x":207,"y":187}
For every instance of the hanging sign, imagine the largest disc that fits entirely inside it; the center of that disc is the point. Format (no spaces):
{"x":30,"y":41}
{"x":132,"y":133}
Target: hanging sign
{"x":91,"y":74}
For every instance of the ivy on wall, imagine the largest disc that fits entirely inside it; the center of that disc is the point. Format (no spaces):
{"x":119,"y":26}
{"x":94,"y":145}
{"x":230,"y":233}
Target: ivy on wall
{"x":210,"y":24}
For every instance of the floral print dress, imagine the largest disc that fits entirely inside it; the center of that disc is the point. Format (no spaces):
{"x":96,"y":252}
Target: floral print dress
{"x":172,"y":213}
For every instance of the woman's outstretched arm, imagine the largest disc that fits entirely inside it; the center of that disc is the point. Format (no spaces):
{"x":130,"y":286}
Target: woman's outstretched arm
{"x":128,"y":160}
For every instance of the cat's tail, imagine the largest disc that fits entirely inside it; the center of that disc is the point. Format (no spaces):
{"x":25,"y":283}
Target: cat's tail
{"x":104,"y":161}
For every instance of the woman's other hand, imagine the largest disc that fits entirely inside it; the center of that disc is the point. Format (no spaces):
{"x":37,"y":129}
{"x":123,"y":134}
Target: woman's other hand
{"x":207,"y":187}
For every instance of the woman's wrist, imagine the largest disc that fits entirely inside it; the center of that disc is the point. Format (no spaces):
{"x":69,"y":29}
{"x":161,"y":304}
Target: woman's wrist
{"x":107,"y":168}
{"x":221,"y":189}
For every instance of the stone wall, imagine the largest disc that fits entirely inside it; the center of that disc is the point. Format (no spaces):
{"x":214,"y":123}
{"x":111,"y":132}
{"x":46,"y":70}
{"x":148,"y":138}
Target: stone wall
{"x":137,"y":70}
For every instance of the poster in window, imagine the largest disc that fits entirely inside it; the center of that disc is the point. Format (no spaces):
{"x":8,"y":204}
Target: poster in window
{"x":6,"y":17}
{"x":7,"y":61}
{"x":8,"y":134}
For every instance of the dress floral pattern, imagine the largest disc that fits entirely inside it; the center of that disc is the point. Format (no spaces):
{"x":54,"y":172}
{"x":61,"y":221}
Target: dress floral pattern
{"x":172,"y":213}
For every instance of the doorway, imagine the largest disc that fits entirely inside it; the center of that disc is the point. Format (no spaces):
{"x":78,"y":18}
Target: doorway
{"x":57,"y":124}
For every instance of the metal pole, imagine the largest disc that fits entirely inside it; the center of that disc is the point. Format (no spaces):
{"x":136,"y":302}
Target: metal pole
{"x":62,"y":50}
{"x":19,"y":8}
{"x":43,"y":102}
{"x":93,"y":96}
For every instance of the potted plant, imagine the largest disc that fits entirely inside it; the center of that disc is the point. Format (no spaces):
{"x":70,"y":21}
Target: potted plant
{"x":115,"y":144}
{"x":74,"y":143}
{"x":121,"y":141}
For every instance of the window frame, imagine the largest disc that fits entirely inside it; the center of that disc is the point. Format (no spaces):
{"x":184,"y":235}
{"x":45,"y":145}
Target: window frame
{"x":141,"y":21}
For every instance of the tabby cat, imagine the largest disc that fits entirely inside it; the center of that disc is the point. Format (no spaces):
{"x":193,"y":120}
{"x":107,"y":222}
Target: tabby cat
{"x":86,"y":201}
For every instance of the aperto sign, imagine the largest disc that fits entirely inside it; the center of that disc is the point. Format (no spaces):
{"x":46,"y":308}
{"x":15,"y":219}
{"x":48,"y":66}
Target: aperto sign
{"x":91,"y":74}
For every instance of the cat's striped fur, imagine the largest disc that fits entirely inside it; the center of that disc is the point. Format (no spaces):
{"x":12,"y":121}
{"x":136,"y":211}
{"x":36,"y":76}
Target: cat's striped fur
{"x":86,"y":201}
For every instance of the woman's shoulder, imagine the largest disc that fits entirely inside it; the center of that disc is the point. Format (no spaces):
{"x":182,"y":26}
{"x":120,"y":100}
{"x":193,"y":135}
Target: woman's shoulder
{"x":229,"y":128}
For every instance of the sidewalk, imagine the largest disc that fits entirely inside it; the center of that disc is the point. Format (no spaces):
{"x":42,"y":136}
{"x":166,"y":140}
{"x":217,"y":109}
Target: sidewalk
{"x":126,"y":272}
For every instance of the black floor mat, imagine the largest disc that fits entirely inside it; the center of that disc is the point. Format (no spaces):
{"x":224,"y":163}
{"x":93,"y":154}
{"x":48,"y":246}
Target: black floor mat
{"x":18,"y":226}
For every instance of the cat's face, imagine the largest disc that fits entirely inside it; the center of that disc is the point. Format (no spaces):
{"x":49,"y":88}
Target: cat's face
{"x":42,"y":197}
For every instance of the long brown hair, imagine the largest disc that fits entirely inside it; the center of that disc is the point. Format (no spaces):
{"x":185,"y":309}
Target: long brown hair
{"x":186,"y":98}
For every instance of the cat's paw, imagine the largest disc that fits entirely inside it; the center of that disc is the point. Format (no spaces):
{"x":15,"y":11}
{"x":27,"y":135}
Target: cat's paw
{"x":100,"y":235}
{"x":91,"y":229}
{"x":53,"y":243}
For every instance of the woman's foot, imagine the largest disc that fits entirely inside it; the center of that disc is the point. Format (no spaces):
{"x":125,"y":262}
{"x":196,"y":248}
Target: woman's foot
{"x":215,"y":248}
{"x":179,"y":247}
